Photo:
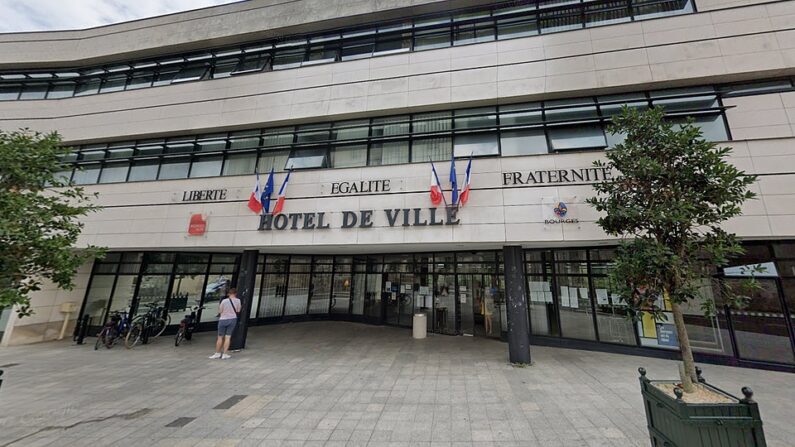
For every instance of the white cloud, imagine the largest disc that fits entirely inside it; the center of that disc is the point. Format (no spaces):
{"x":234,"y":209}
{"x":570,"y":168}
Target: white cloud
{"x":45,"y":15}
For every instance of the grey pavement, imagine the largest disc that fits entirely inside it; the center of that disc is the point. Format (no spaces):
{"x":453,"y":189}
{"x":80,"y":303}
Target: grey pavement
{"x":343,"y":384}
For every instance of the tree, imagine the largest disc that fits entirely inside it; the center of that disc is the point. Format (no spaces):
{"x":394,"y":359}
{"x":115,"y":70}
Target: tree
{"x":670,"y":194}
{"x":39,"y":218}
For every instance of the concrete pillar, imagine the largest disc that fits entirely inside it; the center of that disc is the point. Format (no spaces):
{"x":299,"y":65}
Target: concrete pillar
{"x":516,"y":305}
{"x":246,"y":281}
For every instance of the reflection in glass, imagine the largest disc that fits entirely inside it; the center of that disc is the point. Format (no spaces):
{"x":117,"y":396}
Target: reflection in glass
{"x":98,"y":298}
{"x":576,"y":315}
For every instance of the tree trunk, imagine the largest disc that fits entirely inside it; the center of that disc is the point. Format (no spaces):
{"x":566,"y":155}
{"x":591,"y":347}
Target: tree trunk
{"x":689,"y":376}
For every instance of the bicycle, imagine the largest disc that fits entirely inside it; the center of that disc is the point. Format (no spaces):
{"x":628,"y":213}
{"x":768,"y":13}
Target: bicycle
{"x":149,"y":325}
{"x":116,"y":327}
{"x":187,"y":326}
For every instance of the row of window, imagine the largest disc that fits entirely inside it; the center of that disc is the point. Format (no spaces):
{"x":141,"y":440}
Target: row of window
{"x":512,"y":20}
{"x":508,"y":130}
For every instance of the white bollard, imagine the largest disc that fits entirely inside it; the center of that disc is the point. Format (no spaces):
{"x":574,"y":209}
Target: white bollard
{"x":420,"y":326}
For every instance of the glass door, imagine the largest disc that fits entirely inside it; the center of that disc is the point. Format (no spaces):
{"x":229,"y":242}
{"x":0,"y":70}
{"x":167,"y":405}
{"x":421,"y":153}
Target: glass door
{"x":444,"y":309}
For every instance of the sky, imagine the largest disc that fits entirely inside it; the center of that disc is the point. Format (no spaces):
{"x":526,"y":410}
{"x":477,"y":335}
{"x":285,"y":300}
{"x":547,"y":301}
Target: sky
{"x":46,"y":15}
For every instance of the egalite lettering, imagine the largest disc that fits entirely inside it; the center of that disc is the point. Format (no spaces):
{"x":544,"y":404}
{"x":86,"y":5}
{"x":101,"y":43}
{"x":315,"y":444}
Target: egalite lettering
{"x":403,"y":217}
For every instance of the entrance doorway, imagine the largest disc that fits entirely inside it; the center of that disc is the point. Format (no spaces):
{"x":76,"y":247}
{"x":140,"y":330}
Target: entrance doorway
{"x":481,"y":302}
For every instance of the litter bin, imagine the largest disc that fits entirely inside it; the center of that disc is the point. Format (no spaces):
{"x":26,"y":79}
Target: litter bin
{"x":420,"y":328}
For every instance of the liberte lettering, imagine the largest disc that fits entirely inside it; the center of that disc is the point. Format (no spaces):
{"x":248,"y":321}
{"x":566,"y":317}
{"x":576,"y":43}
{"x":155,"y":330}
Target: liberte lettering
{"x":397,"y":217}
{"x":557,"y":176}
{"x":203,"y":194}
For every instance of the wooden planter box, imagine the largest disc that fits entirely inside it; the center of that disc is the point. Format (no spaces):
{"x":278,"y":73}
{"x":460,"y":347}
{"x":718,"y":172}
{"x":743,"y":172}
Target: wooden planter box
{"x":675,"y":423}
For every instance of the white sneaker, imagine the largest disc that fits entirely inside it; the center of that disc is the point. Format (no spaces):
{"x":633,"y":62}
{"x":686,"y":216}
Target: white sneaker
{"x":226,"y":357}
{"x":217,"y":355}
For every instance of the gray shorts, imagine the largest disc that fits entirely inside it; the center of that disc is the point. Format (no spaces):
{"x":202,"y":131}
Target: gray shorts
{"x":225,"y":327}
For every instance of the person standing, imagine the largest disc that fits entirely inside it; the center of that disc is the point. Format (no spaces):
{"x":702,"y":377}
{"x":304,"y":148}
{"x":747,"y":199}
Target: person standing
{"x":228,"y":310}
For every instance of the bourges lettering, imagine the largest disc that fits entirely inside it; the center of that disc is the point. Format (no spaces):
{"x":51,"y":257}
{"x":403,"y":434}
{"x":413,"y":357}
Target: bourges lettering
{"x":360,"y":187}
{"x":203,"y":194}
{"x":556,"y":176}
{"x":404,"y":217}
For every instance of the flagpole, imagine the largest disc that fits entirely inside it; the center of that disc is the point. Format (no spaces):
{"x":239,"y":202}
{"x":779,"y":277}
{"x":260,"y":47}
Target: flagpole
{"x":435,"y":174}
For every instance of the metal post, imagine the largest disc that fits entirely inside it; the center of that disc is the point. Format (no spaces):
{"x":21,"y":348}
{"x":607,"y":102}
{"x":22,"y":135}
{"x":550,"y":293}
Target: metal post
{"x":246,"y":280}
{"x":516,"y":303}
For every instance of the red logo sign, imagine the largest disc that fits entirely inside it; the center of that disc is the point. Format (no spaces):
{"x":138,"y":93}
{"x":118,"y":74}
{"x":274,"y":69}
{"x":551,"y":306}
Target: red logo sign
{"x":198,"y":225}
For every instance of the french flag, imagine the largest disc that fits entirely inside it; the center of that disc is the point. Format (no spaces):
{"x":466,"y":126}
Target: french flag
{"x":465,"y":192}
{"x":282,"y":191}
{"x":254,"y":203}
{"x":453,"y":181}
{"x":265,"y":199}
{"x":436,"y":187}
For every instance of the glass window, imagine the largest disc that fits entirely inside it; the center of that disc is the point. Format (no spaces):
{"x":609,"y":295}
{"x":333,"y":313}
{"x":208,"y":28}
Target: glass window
{"x":244,"y":140}
{"x":273,"y":159}
{"x":432,"y":122}
{"x":87,"y":87}
{"x":647,"y":9}
{"x":432,"y":39}
{"x":288,"y":58}
{"x":473,"y":33}
{"x":560,"y":20}
{"x":141,"y":79}
{"x":307,"y":158}
{"x":98,"y":298}
{"x":150,"y":147}
{"x":179,"y":145}
{"x":612,"y":104}
{"x":517,"y":27}
{"x":712,"y":126}
{"x":393,"y":125}
{"x":92,"y":155}
{"x":191,"y":72}
{"x":475,"y":118}
{"x":350,"y":130}
{"x":349,"y":156}
{"x":250,"y":63}
{"x":59,"y":90}
{"x":313,"y":133}
{"x":86,"y":174}
{"x":583,"y":136}
{"x":206,"y":166}
{"x":477,"y":144}
{"x":114,"y":172}
{"x":396,"y":43}
{"x":34,"y":91}
{"x":606,"y":13}
{"x":611,"y":315}
{"x":165,"y":75}
{"x":523,"y":142}
{"x":223,"y":68}
{"x":174,"y":168}
{"x":570,"y":110}
{"x":576,"y":315}
{"x":240,"y":164}
{"x":322,"y":53}
{"x":144,"y":170}
{"x":687,"y":103}
{"x":431,"y":149}
{"x":208,"y":143}
{"x":9,"y":92}
{"x":357,"y":48}
{"x":277,"y":137}
{"x":389,"y":153}
{"x":517,"y":114}
{"x":114,"y":83}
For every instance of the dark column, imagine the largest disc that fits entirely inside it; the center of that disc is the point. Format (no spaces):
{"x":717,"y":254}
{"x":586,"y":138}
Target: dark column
{"x":246,"y":280}
{"x":516,"y":304}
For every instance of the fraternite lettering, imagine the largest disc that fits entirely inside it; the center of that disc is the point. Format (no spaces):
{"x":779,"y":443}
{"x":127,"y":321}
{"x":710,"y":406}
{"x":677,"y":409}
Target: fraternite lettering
{"x":556,"y":176}
{"x":412,"y":217}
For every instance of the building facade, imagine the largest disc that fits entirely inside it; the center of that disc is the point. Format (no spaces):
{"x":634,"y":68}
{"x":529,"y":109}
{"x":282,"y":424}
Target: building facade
{"x":171,"y":117}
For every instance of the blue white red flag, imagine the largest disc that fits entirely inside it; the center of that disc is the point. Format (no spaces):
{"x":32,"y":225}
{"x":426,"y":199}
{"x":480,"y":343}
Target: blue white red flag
{"x":254,"y":203}
{"x":467,"y":183}
{"x":453,"y":181}
{"x":282,"y":193}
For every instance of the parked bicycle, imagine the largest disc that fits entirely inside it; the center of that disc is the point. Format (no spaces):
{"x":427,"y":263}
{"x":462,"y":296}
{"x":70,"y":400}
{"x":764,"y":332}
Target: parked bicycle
{"x":187,"y":326}
{"x":149,"y":325}
{"x":116,"y":328}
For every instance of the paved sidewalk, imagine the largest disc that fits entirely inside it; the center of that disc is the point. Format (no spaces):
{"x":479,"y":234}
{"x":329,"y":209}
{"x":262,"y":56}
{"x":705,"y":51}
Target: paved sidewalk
{"x":343,"y":384}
